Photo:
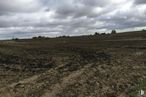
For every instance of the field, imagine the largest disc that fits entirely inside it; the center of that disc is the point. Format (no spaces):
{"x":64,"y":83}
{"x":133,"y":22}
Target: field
{"x":109,"y":65}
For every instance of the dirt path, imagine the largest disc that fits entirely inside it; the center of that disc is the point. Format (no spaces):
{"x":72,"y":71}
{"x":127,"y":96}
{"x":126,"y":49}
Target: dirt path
{"x":8,"y":91}
{"x":65,"y":81}
{"x":4,"y":91}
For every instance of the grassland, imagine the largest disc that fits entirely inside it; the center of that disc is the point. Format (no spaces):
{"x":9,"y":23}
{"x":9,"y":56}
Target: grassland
{"x":85,"y":66}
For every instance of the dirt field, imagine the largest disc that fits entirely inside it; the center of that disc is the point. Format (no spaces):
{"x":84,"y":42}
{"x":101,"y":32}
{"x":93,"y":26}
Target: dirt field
{"x":85,"y":66}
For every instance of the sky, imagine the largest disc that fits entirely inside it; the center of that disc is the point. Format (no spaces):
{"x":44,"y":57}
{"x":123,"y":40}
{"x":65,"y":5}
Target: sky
{"x":29,"y":18}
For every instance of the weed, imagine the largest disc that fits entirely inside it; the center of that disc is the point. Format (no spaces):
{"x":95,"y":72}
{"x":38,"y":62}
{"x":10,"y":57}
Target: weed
{"x":139,"y":87}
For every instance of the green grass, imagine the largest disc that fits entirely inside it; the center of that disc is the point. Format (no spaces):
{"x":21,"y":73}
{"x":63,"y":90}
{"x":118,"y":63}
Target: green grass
{"x":141,"y":85}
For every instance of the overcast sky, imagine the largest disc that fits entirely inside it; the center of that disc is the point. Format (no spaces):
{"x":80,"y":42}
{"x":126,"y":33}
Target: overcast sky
{"x":28,"y":18}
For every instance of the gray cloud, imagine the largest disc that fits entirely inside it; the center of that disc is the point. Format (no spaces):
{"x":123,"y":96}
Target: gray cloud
{"x":140,"y":1}
{"x":93,"y":3}
{"x":9,"y":6}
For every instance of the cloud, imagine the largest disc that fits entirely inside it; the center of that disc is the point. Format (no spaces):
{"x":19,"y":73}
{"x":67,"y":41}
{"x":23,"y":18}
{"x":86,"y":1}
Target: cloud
{"x":10,"y":6}
{"x":28,"y":18}
{"x":140,"y":1}
{"x":93,"y":3}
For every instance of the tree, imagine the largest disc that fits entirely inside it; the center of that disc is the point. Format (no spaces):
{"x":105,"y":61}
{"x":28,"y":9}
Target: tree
{"x":39,"y":37}
{"x":15,"y":39}
{"x":113,"y":32}
{"x":103,"y":34}
{"x":96,"y":33}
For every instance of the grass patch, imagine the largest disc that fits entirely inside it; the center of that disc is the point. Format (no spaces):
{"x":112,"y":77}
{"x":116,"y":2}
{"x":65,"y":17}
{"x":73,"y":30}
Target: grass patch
{"x":139,"y":87}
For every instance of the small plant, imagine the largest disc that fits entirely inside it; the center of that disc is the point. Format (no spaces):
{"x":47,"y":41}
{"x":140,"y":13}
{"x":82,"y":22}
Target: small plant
{"x":139,"y":87}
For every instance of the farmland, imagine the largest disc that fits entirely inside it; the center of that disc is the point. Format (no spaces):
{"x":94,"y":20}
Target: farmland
{"x":108,"y":65}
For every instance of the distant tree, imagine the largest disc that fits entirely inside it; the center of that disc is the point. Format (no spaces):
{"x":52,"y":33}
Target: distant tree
{"x":15,"y":39}
{"x":143,"y":30}
{"x":63,"y":36}
{"x":103,"y":33}
{"x":34,"y":37}
{"x":39,"y":37}
{"x":96,"y":33}
{"x":113,"y":32}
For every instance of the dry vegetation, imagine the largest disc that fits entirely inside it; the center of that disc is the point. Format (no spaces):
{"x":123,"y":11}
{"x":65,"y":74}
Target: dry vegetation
{"x":86,"y":66}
